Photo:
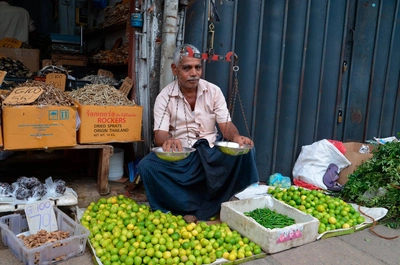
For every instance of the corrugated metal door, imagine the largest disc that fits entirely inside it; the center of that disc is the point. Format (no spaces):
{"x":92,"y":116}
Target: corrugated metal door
{"x":308,"y":70}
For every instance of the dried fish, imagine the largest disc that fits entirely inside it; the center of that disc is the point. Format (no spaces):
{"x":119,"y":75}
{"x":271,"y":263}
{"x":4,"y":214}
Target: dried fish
{"x":115,"y":56}
{"x":113,"y":15}
{"x":100,"y":95}
{"x":52,"y":69}
{"x":101,"y":80}
{"x":51,"y":95}
{"x":13,"y":67}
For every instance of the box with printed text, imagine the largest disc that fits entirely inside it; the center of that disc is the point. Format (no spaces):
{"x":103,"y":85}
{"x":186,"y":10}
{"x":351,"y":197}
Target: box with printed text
{"x":1,"y":134}
{"x":109,"y":124}
{"x":38,"y":127}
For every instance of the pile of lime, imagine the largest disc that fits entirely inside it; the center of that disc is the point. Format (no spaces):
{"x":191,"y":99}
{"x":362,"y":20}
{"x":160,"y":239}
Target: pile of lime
{"x":125,"y":233}
{"x":332,"y":213}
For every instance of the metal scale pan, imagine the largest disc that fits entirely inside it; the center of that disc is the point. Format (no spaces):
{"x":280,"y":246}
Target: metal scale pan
{"x":172,"y":156}
{"x":232,"y":148}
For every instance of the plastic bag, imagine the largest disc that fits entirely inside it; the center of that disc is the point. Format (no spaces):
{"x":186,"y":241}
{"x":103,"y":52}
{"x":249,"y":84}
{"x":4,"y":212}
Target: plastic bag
{"x":339,"y":145}
{"x":28,"y":189}
{"x":313,"y":161}
{"x":27,"y":182}
{"x":6,"y":189}
{"x":54,"y":188}
{"x":364,"y":149}
{"x":277,"y":180}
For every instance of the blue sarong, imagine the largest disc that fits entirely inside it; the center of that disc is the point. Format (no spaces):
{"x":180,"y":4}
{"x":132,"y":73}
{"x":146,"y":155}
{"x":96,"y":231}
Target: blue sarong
{"x":198,"y":184}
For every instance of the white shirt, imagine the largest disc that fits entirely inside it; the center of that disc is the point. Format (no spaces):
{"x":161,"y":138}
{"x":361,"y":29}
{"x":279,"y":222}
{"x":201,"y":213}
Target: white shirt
{"x":14,"y":22}
{"x":178,"y":118}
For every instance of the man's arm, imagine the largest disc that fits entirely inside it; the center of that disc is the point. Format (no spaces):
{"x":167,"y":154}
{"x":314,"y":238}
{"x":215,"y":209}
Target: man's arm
{"x":160,"y":137}
{"x":231,"y":133}
{"x":163,"y":138}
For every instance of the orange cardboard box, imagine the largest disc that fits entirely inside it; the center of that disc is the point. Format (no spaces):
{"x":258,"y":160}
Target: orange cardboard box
{"x":38,"y":127}
{"x":2,"y":92}
{"x":355,"y":157}
{"x":109,"y":124}
{"x":1,"y":136}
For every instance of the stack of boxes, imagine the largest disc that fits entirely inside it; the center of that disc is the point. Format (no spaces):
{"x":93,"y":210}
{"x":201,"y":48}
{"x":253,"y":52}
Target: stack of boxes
{"x":27,"y":126}
{"x":44,"y":127}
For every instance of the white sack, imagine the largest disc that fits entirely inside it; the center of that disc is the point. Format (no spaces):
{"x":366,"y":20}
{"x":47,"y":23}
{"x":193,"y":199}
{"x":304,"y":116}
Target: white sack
{"x":314,"y":160}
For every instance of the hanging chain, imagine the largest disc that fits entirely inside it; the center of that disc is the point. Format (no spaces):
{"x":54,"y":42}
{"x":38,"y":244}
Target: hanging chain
{"x":162,"y":117}
{"x":231,"y":111}
{"x":189,"y":142}
{"x":176,"y":113}
{"x":232,"y":101}
{"x":236,"y":82}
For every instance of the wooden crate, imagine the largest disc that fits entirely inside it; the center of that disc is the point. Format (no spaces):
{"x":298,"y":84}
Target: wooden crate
{"x":69,"y":59}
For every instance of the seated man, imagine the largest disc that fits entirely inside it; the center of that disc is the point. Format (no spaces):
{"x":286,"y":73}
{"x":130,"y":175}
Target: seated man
{"x":186,"y":113}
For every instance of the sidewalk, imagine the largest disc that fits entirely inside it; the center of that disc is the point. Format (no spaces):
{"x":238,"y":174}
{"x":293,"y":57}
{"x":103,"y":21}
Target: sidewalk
{"x":362,"y":247}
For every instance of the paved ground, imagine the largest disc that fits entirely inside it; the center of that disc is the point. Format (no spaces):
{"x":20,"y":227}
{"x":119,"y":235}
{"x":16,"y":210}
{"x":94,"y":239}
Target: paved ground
{"x":362,"y":247}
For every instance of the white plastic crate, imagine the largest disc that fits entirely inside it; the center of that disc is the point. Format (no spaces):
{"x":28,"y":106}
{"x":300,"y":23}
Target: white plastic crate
{"x":305,"y":229}
{"x":49,"y":253}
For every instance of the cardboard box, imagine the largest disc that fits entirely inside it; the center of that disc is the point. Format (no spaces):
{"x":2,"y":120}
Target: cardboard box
{"x":355,"y":157}
{"x":29,"y":57}
{"x":38,"y":127}
{"x":3,"y":92}
{"x":305,"y":229}
{"x":109,"y":124}
{"x":1,"y":131}
{"x":1,"y":136}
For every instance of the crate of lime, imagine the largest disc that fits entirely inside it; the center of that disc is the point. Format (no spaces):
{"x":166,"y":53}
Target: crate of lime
{"x":273,"y":239}
{"x":336,"y":217}
{"x":124,"y":231}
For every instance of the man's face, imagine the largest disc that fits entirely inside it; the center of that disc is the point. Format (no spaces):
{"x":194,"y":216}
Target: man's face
{"x":188,"y":72}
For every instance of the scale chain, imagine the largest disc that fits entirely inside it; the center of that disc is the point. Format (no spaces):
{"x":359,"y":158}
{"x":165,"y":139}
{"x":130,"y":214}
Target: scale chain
{"x":240,"y":100}
{"x":189,"y":142}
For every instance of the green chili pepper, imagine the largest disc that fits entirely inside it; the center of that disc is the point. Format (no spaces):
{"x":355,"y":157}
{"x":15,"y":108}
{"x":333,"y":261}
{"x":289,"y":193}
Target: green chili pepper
{"x":270,"y":218}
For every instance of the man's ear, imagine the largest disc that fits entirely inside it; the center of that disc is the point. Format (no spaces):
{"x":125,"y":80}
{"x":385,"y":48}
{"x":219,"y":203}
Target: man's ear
{"x":174,"y":69}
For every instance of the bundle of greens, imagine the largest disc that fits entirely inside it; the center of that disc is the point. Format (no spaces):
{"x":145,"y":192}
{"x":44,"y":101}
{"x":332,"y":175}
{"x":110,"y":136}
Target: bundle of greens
{"x":376,"y":183}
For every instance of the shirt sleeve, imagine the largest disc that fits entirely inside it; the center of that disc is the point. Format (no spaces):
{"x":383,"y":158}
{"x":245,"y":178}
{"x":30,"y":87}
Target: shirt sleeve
{"x":220,"y":108}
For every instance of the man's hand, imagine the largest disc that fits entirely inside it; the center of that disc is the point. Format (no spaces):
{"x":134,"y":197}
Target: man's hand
{"x":231,"y":133}
{"x":242,"y":140}
{"x":172,"y":145}
{"x":168,"y":143}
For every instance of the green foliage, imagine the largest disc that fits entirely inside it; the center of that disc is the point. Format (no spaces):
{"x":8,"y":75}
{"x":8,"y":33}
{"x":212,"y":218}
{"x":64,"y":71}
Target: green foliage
{"x":376,"y":183}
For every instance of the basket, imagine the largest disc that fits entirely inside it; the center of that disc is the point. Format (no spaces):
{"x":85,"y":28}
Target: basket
{"x":49,"y":253}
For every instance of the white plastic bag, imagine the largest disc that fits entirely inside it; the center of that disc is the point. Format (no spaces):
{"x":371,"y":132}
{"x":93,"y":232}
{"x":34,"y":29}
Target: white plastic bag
{"x":314,"y":160}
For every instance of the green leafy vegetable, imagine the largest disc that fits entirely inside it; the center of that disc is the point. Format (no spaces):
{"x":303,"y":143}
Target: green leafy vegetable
{"x":376,"y":183}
